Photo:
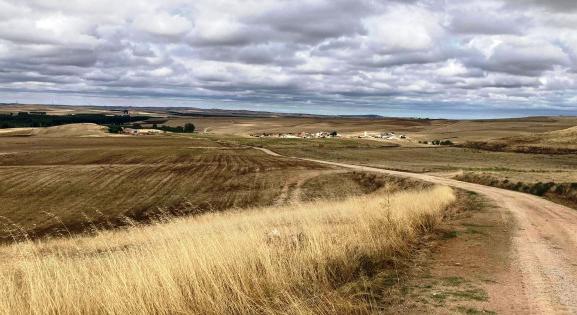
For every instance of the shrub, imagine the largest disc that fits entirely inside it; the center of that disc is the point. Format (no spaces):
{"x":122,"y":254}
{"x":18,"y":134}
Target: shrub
{"x":189,"y":127}
{"x":114,"y":129}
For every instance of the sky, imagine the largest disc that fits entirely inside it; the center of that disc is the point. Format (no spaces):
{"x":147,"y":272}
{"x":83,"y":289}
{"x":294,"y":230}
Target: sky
{"x":421,"y":58}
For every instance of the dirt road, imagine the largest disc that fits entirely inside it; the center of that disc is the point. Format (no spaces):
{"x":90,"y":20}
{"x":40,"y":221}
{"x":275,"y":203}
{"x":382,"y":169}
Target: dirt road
{"x":542,"y":275}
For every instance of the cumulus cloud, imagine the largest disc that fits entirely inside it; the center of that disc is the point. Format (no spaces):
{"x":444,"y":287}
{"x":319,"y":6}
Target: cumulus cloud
{"x":343,"y":56}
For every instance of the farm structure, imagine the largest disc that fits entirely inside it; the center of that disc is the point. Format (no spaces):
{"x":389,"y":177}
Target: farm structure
{"x":142,"y":132}
{"x":383,"y":135}
{"x":300,"y":135}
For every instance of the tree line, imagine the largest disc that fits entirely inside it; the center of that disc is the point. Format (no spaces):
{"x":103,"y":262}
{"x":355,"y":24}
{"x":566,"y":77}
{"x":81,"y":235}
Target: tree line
{"x":187,"y":128}
{"x":24,"y":119}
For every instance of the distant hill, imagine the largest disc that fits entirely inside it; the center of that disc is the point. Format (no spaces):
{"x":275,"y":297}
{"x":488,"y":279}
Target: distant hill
{"x":554,"y":142}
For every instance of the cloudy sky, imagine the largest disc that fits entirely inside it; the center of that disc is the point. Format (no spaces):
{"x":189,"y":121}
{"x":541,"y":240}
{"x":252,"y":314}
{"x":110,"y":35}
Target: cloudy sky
{"x":450,"y":58}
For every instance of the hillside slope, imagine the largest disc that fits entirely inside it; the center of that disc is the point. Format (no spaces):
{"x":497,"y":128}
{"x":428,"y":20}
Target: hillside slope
{"x":73,"y":130}
{"x":554,"y":142}
{"x":70,"y":130}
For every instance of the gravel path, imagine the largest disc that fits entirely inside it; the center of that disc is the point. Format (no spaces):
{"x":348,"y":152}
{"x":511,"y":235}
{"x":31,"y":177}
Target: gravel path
{"x":544,"y":254}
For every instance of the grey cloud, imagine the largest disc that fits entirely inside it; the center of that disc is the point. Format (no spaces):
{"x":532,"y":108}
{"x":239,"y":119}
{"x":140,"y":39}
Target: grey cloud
{"x":526,"y":59}
{"x":471,"y":22}
{"x":555,"y":5}
{"x":326,"y":53}
{"x":318,"y":20}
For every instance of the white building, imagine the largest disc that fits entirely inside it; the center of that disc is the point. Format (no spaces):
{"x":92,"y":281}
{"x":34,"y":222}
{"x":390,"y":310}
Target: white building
{"x":142,"y":132}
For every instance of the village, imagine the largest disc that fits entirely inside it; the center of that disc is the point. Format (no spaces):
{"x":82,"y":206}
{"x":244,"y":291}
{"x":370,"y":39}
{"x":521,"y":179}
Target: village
{"x":382,"y":135}
{"x":141,"y":132}
{"x":300,"y":135}
{"x":332,"y":134}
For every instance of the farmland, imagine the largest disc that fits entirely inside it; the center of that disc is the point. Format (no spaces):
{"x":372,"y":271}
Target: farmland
{"x":415,"y":158}
{"x":67,"y":184}
{"x":554,"y":142}
{"x":102,"y":180}
{"x":527,"y":172}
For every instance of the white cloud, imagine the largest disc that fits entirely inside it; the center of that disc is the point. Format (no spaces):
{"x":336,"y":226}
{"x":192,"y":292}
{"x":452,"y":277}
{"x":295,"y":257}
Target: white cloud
{"x":403,"y":28}
{"x":452,"y":68}
{"x":161,"y":72}
{"x":163,"y":24}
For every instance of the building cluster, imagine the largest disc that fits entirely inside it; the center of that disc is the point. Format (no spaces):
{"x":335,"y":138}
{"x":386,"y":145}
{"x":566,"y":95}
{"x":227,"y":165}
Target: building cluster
{"x":383,"y":135}
{"x":299,"y":135}
{"x":141,"y":132}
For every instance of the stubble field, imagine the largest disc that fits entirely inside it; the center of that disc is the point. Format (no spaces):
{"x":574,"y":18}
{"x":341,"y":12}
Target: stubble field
{"x":61,"y":185}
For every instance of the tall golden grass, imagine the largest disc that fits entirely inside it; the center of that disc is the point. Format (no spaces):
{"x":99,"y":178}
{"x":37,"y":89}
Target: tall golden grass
{"x":294,"y":259}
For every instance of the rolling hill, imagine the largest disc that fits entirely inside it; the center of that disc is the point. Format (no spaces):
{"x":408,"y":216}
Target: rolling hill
{"x":554,"y":142}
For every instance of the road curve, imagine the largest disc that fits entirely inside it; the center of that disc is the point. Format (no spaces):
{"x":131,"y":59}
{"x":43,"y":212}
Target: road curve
{"x":544,"y":245}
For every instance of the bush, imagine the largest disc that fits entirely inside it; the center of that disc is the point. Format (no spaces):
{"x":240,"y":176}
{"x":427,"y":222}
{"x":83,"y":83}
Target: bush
{"x":540,"y":189}
{"x":441,"y":142}
{"x":114,"y":129}
{"x":189,"y":127}
{"x":178,"y":129}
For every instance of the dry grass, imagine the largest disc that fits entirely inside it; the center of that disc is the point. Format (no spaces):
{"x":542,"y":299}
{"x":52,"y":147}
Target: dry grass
{"x":296,"y":259}
{"x":555,"y":142}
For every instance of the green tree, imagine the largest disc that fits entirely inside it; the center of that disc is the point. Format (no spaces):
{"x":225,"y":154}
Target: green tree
{"x":114,"y":129}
